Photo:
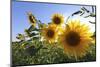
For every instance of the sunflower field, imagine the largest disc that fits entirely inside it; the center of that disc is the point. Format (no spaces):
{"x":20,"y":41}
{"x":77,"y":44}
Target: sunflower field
{"x":56,"y":42}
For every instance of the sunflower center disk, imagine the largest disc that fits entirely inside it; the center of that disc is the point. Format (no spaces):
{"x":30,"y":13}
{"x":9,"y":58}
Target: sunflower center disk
{"x":73,"y":39}
{"x":57,"y":20}
{"x":50,"y":33}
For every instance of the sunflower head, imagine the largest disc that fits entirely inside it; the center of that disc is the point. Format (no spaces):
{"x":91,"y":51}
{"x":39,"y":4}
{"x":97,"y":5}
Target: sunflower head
{"x":50,"y":33}
{"x":32,"y":19}
{"x":57,"y":19}
{"x":76,"y":38}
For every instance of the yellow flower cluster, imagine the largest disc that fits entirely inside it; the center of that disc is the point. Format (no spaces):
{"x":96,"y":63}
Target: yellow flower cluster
{"x":74,"y":37}
{"x":50,"y":33}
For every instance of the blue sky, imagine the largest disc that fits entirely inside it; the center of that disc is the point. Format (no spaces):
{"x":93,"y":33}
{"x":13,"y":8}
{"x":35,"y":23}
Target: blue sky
{"x":42,"y":11}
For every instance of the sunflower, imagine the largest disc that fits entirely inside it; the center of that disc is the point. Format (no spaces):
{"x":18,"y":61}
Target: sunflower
{"x":32,"y":19}
{"x":57,"y":19}
{"x":76,"y":38}
{"x":50,"y":33}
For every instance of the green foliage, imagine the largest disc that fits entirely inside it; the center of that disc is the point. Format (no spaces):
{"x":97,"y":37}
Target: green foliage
{"x":84,"y":11}
{"x":38,"y":53}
